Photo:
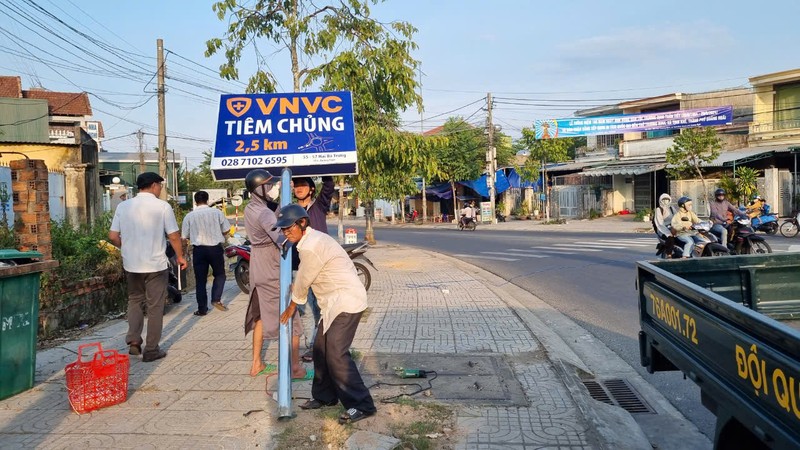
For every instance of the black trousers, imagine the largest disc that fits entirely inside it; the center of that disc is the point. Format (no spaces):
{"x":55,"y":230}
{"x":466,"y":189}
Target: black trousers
{"x":202,"y":257}
{"x":336,"y":376}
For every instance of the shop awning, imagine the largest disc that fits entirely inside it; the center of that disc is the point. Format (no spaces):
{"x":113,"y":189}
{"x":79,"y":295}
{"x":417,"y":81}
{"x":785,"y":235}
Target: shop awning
{"x":743,"y":155}
{"x":623,"y":169}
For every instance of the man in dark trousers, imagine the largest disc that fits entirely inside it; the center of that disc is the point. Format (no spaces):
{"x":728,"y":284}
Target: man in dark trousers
{"x":326,"y":268}
{"x":205,"y":229}
{"x":304,"y":189}
{"x":141,"y":227}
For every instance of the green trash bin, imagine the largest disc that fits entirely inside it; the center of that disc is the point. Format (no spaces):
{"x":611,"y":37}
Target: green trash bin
{"x":19,"y":318}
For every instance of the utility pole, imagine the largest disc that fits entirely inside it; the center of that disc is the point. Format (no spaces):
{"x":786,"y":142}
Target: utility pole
{"x":422,"y":132}
{"x":162,"y":121}
{"x":140,"y":135}
{"x":491,"y":161}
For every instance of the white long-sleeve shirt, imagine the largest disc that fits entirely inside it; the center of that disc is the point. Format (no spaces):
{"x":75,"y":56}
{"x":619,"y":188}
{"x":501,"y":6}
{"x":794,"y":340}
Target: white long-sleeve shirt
{"x":329,"y":272}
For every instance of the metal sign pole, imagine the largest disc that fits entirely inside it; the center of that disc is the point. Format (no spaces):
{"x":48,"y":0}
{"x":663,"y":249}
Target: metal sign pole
{"x":285,"y":337}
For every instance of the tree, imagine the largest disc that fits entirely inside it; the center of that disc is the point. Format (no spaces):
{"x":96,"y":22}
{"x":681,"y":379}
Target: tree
{"x":200,"y":178}
{"x":342,"y":47}
{"x":543,"y":151}
{"x":463,"y":156}
{"x":743,"y":186}
{"x":691,"y":149}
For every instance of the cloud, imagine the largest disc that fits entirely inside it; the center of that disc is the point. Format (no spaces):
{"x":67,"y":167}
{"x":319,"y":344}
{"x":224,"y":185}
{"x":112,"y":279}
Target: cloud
{"x":634,"y":46}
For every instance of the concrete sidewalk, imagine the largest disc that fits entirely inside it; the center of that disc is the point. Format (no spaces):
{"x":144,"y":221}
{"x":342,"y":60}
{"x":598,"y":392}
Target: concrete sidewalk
{"x":610,"y":224}
{"x":511,"y":367}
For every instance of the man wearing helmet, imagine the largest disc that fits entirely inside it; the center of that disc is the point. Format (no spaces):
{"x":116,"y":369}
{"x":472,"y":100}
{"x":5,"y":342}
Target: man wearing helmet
{"x":720,"y":208}
{"x":326,"y":268}
{"x":317,"y":209}
{"x":263,"y":310}
{"x":682,"y":223}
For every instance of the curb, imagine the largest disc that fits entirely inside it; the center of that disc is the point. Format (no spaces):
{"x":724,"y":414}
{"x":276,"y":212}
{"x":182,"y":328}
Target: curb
{"x":573,"y":350}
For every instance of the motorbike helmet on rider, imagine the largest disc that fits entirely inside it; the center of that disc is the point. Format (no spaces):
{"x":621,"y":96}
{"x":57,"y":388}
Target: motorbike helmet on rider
{"x":682,"y":203}
{"x":260,"y":178}
{"x":720,"y":193}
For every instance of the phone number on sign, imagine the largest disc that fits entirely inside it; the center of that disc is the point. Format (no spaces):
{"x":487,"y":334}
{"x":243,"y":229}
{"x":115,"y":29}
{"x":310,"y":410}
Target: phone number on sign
{"x":254,"y":161}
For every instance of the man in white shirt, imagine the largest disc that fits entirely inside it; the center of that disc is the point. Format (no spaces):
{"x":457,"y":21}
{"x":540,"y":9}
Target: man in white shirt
{"x":205,"y":229}
{"x":326,"y":268}
{"x":140,"y":228}
{"x":467,"y":213}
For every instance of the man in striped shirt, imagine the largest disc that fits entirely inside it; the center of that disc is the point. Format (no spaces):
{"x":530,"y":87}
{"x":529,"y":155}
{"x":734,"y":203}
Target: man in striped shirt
{"x":205,"y":229}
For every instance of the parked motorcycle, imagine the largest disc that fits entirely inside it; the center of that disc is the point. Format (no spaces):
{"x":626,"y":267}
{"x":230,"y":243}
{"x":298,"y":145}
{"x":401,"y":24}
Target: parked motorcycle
{"x":766,"y":221}
{"x":791,"y":226}
{"x":706,"y":244}
{"x":356,"y":252}
{"x":743,"y":240}
{"x":467,"y":223}
{"x":241,"y":267}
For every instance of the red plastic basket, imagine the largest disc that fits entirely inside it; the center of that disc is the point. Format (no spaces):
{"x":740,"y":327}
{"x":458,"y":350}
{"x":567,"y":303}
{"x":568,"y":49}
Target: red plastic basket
{"x":98,"y":382}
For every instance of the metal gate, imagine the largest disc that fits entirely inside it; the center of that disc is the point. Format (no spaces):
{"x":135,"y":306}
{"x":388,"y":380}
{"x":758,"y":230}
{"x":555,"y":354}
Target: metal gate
{"x":567,"y":201}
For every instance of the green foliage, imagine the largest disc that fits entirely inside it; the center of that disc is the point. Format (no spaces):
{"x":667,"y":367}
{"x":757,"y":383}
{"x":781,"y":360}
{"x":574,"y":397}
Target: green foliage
{"x":640,"y":215}
{"x":692,"y":148}
{"x":743,"y":187}
{"x":200,"y":178}
{"x":79,"y":254}
{"x":462,"y":156}
{"x":593,"y":214}
{"x":7,"y":239}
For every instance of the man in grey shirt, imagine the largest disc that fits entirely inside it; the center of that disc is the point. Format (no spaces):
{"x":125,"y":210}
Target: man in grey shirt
{"x":205,"y":229}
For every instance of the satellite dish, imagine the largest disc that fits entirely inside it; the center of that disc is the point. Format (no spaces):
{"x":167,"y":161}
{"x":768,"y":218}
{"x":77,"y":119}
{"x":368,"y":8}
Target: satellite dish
{"x":115,"y":180}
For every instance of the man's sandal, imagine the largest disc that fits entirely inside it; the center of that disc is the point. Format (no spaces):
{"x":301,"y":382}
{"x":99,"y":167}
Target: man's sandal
{"x":316,"y":404}
{"x":353,"y":415}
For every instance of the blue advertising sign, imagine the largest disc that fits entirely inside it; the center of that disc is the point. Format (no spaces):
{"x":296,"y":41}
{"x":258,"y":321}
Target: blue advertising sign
{"x":626,"y":123}
{"x":310,"y":132}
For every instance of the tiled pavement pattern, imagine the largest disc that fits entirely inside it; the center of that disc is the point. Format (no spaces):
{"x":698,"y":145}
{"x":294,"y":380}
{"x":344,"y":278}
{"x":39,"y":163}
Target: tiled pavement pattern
{"x":201,"y":396}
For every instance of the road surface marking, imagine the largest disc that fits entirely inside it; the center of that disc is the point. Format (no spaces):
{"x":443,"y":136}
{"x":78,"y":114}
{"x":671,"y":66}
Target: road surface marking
{"x":794,"y":248}
{"x":607,"y":245}
{"x":633,"y":243}
{"x":575,"y":247}
{"x":496,"y":258}
{"x":547,"y":250}
{"x":517,"y":254}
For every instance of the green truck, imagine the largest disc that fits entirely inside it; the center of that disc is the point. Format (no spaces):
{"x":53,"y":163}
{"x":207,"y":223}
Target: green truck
{"x":732,"y":325}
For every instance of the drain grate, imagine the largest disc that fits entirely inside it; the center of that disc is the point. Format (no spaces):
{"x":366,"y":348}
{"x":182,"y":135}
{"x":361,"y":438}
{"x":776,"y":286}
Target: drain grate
{"x":618,"y":392}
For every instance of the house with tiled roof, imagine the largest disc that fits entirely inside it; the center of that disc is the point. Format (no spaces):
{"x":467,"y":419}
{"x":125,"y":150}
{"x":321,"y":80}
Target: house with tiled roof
{"x":55,"y":127}
{"x":65,"y":110}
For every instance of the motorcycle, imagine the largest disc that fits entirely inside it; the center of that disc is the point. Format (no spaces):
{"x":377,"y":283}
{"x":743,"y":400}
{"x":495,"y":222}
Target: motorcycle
{"x":467,"y":223}
{"x":766,"y":221}
{"x":743,"y":240}
{"x":705,"y":244}
{"x":791,"y":226}
{"x":241,"y":267}
{"x":356,"y":252}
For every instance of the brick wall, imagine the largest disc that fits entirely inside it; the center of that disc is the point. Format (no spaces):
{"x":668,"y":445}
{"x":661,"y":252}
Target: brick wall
{"x":84,"y":302}
{"x":31,"y":200}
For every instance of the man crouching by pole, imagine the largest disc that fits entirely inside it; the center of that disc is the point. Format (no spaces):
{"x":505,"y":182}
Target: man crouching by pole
{"x":329,"y":272}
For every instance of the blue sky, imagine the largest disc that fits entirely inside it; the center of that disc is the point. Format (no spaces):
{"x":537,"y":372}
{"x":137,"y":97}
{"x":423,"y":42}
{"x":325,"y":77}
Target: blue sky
{"x":539,"y":59}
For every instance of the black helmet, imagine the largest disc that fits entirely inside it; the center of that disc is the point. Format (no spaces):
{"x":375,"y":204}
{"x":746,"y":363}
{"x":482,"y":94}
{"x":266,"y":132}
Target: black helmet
{"x":256,"y":178}
{"x":290,"y":214}
{"x":683,"y":201}
{"x":719,"y":192}
{"x":305,"y":180}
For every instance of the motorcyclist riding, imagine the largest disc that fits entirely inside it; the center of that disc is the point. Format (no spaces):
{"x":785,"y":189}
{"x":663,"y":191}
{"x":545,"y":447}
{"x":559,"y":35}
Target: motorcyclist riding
{"x":467,"y":214}
{"x":720,"y":208}
{"x":662,"y":221}
{"x":756,"y":207}
{"x":682,"y":223}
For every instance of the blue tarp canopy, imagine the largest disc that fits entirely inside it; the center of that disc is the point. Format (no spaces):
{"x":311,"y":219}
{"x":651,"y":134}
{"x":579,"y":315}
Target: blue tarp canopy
{"x":501,"y":184}
{"x":440,"y":190}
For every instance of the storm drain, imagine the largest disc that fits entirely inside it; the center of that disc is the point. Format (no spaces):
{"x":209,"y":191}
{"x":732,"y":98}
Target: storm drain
{"x":618,"y":392}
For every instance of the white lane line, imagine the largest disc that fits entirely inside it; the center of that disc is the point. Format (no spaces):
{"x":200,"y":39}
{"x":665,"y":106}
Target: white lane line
{"x":634,"y":243}
{"x":794,"y":248}
{"x":575,"y":248}
{"x":514,"y":254}
{"x":556,"y":252}
{"x":496,"y":258}
{"x":610,"y":245}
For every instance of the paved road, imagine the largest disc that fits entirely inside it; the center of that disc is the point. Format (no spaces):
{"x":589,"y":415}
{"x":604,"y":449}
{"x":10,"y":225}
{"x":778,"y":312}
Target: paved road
{"x":589,"y":277}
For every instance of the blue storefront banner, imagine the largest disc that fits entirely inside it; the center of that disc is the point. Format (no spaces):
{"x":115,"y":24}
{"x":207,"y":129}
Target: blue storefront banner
{"x":626,"y":123}
{"x":311,"y":133}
